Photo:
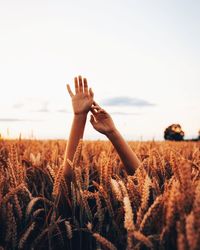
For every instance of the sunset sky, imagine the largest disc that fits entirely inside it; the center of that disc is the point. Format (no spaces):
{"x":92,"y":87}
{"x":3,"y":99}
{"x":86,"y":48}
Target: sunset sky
{"x":142,"y":59}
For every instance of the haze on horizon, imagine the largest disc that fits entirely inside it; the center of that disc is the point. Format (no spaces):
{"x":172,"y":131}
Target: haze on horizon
{"x":142,"y":59}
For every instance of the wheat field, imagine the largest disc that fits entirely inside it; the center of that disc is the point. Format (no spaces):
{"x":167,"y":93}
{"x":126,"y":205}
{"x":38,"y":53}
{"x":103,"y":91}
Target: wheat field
{"x":156,"y":208}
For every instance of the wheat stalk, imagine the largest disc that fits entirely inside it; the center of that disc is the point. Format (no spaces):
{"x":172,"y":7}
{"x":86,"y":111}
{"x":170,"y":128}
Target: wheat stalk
{"x":104,"y":242}
{"x":25,"y":236}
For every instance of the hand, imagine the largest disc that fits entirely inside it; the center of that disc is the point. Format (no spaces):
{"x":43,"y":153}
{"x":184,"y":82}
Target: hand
{"x":83,"y":98}
{"x":101,"y":120}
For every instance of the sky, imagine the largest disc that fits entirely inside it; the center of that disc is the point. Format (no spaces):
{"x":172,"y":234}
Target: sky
{"x":141,"y":58}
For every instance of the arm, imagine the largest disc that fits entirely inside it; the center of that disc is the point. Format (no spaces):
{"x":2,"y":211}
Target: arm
{"x":81,"y":101}
{"x":103,"y":123}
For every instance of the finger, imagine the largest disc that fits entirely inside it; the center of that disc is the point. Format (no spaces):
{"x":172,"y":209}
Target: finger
{"x":69,"y":90}
{"x":92,"y":120}
{"x":76,"y":85}
{"x":91,"y":92}
{"x":96,"y":104}
{"x":96,"y":107}
{"x":85,"y":85}
{"x":80,"y":84}
{"x":102,"y":111}
{"x":94,"y":112}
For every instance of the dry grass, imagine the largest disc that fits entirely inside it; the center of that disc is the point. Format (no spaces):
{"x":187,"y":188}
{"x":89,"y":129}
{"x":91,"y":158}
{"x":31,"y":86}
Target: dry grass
{"x":157,"y":208}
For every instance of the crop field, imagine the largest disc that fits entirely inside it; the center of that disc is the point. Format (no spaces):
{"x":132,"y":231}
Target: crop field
{"x":103,"y":207}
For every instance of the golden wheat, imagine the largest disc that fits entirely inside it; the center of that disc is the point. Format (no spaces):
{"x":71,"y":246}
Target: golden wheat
{"x":103,"y":207}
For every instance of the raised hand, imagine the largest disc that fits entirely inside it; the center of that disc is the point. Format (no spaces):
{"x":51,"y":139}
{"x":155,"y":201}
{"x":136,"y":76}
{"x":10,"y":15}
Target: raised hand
{"x":82,"y":101}
{"x":83,"y":98}
{"x":101,"y":120}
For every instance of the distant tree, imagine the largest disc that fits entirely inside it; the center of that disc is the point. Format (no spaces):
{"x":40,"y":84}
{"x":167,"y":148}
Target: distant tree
{"x":199,"y":135}
{"x":174,"y":133}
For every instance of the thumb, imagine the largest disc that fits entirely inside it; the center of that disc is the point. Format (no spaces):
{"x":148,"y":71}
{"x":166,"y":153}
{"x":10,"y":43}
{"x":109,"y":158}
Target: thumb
{"x":91,"y":92}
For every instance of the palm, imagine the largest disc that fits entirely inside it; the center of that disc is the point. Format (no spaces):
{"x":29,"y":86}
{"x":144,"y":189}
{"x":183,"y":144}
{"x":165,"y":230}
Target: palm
{"x":83,"y":98}
{"x":81,"y":103}
{"x":104,"y":123}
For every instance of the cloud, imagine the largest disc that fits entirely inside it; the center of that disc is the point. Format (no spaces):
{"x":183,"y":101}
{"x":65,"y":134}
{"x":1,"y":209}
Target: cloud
{"x":42,"y":110}
{"x":64,"y":111}
{"x":123,"y":113}
{"x":18,"y":105}
{"x":43,"y":107}
{"x":33,"y":105}
{"x":12,"y":120}
{"x":17,"y":120}
{"x":126,"y":101}
{"x":61,"y":111}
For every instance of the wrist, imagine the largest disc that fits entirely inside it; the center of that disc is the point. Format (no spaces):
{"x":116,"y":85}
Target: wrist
{"x":81,"y":114}
{"x":80,"y":117}
{"x":112,"y":133}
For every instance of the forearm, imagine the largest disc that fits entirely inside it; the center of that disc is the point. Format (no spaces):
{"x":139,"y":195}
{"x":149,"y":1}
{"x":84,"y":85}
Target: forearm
{"x":127,"y":156}
{"x":76,"y":133}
